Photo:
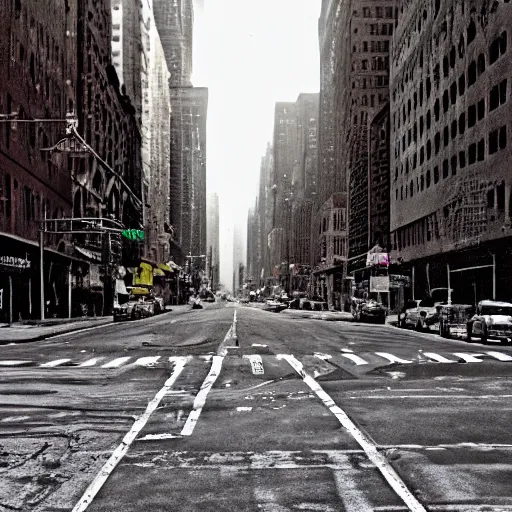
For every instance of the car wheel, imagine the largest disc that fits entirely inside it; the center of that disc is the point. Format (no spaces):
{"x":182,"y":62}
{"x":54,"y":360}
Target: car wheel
{"x":418,"y":326}
{"x":137,"y":315}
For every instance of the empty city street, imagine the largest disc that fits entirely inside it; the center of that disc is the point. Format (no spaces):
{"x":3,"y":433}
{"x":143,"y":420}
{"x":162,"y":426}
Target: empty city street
{"x":238,"y":409}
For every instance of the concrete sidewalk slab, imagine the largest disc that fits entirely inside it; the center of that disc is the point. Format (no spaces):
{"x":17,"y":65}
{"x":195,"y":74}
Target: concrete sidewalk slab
{"x":24,"y":333}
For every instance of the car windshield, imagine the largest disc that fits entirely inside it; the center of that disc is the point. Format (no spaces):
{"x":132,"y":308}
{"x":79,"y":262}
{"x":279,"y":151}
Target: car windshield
{"x":427,"y":303}
{"x":497,"y":310}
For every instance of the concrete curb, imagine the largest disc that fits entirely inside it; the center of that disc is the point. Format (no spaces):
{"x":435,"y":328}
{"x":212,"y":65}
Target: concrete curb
{"x":52,"y":334}
{"x":70,"y":328}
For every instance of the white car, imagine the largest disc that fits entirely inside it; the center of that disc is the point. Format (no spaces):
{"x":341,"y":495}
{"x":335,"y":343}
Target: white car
{"x":493,"y":319}
{"x":422,"y":314}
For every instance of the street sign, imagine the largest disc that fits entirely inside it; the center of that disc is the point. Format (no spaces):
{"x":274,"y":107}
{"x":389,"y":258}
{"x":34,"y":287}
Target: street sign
{"x":133,"y":234}
{"x":379,"y":284}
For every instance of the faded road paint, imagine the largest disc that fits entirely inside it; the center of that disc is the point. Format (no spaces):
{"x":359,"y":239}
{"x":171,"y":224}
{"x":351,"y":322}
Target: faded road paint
{"x":366,"y":444}
{"x":200,"y":399}
{"x":94,"y":487}
{"x":256,"y":364}
{"x":355,"y":359}
{"x":391,"y":358}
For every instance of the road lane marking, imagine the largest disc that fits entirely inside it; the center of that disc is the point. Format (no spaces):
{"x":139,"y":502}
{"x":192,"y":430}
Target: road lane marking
{"x":200,"y":399}
{"x":366,"y":444}
{"x":116,"y":363}
{"x":391,"y":358}
{"x":14,"y":363}
{"x":147,"y":361}
{"x":120,"y":451}
{"x":78,"y":331}
{"x":500,"y":356}
{"x":158,"y":437}
{"x":230,"y":335}
{"x":355,"y":359}
{"x":469,"y":358}
{"x":323,"y":357}
{"x":91,"y":362}
{"x":438,"y":358}
{"x":57,"y":362}
{"x":256,"y":364}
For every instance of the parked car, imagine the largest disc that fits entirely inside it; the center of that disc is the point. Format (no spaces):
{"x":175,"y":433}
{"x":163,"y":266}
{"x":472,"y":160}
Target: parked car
{"x":453,"y":320}
{"x":368,"y":310}
{"x":422,"y":315}
{"x":134,"y":309}
{"x":274,"y":306}
{"x":493,"y":319}
{"x":305,"y":303}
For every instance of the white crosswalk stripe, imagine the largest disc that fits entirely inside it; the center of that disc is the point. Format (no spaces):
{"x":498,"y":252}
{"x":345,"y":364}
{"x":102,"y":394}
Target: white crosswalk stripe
{"x":90,"y":362}
{"x":346,"y":358}
{"x":438,"y":358}
{"x":391,"y":358}
{"x":147,"y":361}
{"x":499,"y":356}
{"x":355,"y":359}
{"x":469,"y":358}
{"x":116,"y":363}
{"x":57,"y":362}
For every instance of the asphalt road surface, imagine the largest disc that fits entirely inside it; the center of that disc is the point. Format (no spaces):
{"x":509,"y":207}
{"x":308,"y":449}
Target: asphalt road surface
{"x":232,"y":408}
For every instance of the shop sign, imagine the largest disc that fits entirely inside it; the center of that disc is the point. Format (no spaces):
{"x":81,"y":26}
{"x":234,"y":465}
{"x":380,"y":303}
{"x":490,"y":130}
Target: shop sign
{"x":379,"y":284}
{"x":15,"y":262}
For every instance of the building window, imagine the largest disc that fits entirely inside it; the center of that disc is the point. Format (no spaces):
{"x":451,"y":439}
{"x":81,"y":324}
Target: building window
{"x":503,"y":137}
{"x":493,"y":142}
{"x":437,"y":142}
{"x":481,"y":150}
{"x":462,"y":159}
{"x":429,"y":150}
{"x":472,"y":73}
{"x":446,"y":102}
{"x":462,"y":123}
{"x":481,"y":109}
{"x":428,"y":120}
{"x":454,"y":165}
{"x":471,"y":116}
{"x":472,"y":154}
{"x":471,"y":32}
{"x":428,"y":178}
{"x":481,"y":63}
{"x":445,"y":168}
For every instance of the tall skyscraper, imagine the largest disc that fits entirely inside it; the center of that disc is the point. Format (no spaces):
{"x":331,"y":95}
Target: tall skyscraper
{"x":189,"y":105}
{"x":239,"y":249}
{"x":213,"y":241}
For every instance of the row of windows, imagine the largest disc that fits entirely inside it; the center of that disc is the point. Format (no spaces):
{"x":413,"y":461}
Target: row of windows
{"x":475,"y":69}
{"x":374,"y":64}
{"x":380,"y":12}
{"x":371,"y":82}
{"x":497,"y":97}
{"x":497,"y":141}
{"x":373,"y":47}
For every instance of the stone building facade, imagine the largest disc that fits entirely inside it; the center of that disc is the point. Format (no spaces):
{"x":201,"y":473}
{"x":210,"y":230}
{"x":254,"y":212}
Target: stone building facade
{"x":189,"y":106}
{"x":371,"y":29}
{"x":139,"y":60}
{"x":304,"y":181}
{"x":452,"y":143}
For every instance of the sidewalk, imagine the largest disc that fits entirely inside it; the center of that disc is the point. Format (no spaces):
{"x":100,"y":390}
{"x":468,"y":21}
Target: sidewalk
{"x":37,"y":330}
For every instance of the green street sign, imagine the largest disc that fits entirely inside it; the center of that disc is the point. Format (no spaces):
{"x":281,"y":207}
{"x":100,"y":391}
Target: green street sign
{"x":136,"y":235}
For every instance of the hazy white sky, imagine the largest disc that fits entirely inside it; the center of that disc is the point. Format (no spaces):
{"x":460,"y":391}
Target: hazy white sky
{"x":250,"y":54}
